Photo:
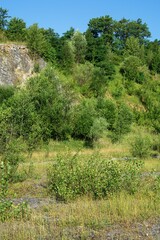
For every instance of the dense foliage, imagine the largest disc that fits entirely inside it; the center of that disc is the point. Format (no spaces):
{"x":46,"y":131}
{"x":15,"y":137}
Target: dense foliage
{"x":97,"y":177}
{"x":111,"y":60}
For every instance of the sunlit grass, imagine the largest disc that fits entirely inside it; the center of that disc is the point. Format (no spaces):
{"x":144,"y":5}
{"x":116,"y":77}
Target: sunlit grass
{"x":152,"y":165}
{"x":99,"y":213}
{"x":82,"y":217}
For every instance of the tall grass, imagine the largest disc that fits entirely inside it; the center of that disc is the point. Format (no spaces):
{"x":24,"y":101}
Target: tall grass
{"x":78,"y":219}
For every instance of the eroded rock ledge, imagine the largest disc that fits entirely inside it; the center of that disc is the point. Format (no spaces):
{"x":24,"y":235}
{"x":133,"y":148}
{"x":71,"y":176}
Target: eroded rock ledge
{"x":16,"y":65}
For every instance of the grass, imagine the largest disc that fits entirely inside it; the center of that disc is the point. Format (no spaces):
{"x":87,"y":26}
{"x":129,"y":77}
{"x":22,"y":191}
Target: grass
{"x":97,"y":214}
{"x":152,"y":165}
{"x":83,"y":218}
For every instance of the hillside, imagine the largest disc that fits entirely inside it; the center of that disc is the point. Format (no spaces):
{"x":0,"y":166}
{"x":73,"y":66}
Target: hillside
{"x":80,"y":139}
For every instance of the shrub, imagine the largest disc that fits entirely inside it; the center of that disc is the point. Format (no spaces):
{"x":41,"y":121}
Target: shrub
{"x":89,"y":126}
{"x":9,"y":211}
{"x":69,"y":178}
{"x":107,"y":109}
{"x":8,"y":166}
{"x":123,"y":122}
{"x":141,"y":146}
{"x":132,"y":175}
{"x":85,"y":113}
{"x":156,"y":144}
{"x":3,"y":37}
{"x":5,"y":93}
{"x":134,"y":70}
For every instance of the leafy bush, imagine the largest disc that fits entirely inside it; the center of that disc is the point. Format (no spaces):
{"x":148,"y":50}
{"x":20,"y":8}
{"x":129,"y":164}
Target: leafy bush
{"x":16,"y":30}
{"x":52,"y":102}
{"x":107,"y":109}
{"x":8,"y":166}
{"x":141,"y":146}
{"x":11,"y":157}
{"x":69,"y":177}
{"x":38,"y":44}
{"x":89,"y":126}
{"x":5,"y":93}
{"x":132,"y":175}
{"x":123,"y":122}
{"x":156,"y":144}
{"x":116,"y":88}
{"x":85,"y":113}
{"x":102,"y":75}
{"x":3,"y":37}
{"x":9,"y":211}
{"x":83,"y":75}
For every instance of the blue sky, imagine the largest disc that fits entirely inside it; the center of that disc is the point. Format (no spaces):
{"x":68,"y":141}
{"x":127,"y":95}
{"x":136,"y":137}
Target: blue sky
{"x":63,"y":14}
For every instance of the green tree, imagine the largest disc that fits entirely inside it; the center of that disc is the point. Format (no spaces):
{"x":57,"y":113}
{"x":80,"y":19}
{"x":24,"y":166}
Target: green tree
{"x":153,"y":56}
{"x":103,"y":73}
{"x":123,"y":122}
{"x":38,"y":44}
{"x":35,"y":40}
{"x":68,"y":34}
{"x":134,"y":48}
{"x":10,"y":144}
{"x":98,"y":35}
{"x":88,"y":125}
{"x":52,"y":101}
{"x":150,"y":97}
{"x":134,"y":70}
{"x":16,"y":30}
{"x":96,"y":48}
{"x":83,"y":75}
{"x":3,"y":37}
{"x":23,"y":119}
{"x":107,"y":109}
{"x":126,"y":28}
{"x":54,"y":40}
{"x":3,"y":18}
{"x":67,"y":57}
{"x":52,"y":37}
{"x":102,"y":27}
{"x":80,"y":45}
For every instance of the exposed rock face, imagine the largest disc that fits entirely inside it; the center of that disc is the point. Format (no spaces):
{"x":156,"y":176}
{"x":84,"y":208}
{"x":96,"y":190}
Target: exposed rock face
{"x":16,"y":64}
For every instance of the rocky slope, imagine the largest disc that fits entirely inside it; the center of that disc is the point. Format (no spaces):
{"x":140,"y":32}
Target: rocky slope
{"x":16,"y":65}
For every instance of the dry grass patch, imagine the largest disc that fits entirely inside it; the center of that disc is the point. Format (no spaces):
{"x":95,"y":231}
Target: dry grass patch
{"x":83,"y":218}
{"x":152,"y":165}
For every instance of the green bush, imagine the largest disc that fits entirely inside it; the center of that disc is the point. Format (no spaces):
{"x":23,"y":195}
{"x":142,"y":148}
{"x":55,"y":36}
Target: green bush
{"x":89,"y":125}
{"x":132,"y":175}
{"x":69,"y":178}
{"x":85,"y":113}
{"x":6,"y":92}
{"x":9,"y":211}
{"x":133,"y":70}
{"x":122,"y":125}
{"x":141,"y":146}
{"x":106,"y":108}
{"x":8,"y":166}
{"x":156,"y":144}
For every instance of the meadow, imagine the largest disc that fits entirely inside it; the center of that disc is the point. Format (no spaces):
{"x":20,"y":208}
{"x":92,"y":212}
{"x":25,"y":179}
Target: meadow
{"x":122,"y":212}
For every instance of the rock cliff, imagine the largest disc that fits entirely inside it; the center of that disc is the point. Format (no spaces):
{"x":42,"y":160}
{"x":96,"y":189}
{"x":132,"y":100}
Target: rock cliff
{"x":16,"y":65}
